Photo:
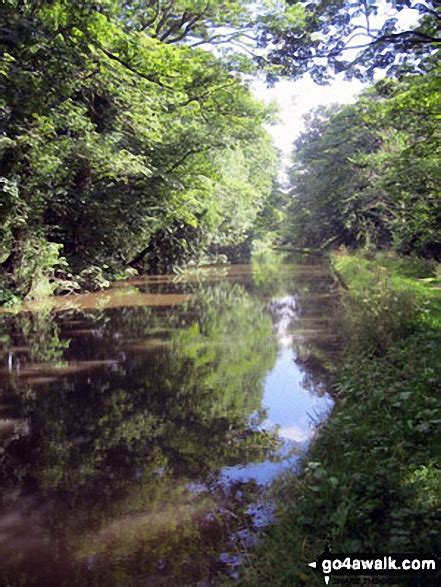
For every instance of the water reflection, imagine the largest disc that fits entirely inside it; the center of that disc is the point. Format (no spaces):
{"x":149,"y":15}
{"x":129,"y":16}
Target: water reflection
{"x":136,"y":436}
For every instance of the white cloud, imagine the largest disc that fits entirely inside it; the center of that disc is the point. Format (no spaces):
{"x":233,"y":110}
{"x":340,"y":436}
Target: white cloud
{"x":296,"y":433}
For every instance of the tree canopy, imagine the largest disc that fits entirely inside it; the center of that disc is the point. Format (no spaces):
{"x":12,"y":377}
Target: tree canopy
{"x":117,"y":135}
{"x":326,"y":37}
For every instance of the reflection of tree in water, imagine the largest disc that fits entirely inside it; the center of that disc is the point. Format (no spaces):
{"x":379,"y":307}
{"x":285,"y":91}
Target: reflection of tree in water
{"x":115,"y":447}
{"x":311,"y":323}
{"x":317,"y":336}
{"x":30,"y":337}
{"x":275,"y":277}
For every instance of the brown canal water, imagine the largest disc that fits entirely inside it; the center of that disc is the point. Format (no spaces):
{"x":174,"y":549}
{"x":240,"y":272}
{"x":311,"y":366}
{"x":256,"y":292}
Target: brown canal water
{"x":141,"y":427}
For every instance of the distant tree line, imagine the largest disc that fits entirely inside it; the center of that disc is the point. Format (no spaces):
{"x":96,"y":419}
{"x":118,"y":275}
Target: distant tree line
{"x":369,"y":174}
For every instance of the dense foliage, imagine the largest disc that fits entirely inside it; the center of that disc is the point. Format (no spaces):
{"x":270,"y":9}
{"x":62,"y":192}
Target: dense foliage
{"x":121,"y":140}
{"x":369,"y":173}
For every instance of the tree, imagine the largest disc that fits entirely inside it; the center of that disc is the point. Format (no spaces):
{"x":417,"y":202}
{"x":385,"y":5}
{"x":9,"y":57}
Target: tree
{"x":358,"y":38}
{"x":407,"y":167}
{"x":113,"y":132}
{"x":194,"y":22}
{"x":327,"y":185}
{"x":367,"y":174}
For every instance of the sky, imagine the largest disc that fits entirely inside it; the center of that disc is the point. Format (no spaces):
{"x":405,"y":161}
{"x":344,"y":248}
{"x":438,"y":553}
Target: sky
{"x":295,"y":99}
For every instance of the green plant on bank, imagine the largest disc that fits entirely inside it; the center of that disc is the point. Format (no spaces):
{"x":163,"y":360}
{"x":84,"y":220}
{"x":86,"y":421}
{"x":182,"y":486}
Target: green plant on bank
{"x":48,"y":273}
{"x":372,"y":482}
{"x":41,"y":263}
{"x":7,"y":296}
{"x":406,"y":290}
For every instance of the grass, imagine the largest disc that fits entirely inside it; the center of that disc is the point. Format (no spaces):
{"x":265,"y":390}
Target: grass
{"x":419,"y":278}
{"x":372,"y":482}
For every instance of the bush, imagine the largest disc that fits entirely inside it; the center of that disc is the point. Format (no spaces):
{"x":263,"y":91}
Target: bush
{"x":41,"y":260}
{"x":7,"y":297}
{"x":379,"y":316}
{"x":92,"y":278}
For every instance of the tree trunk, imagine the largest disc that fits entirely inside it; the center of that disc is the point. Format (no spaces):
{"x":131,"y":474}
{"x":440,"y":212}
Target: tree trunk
{"x":137,"y":260}
{"x":13,"y":263}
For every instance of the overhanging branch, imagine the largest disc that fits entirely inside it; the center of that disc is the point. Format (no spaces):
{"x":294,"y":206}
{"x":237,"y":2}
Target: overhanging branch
{"x":132,"y":69}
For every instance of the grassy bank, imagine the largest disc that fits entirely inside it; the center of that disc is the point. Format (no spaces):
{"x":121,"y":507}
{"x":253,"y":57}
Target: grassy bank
{"x":372,"y":482}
